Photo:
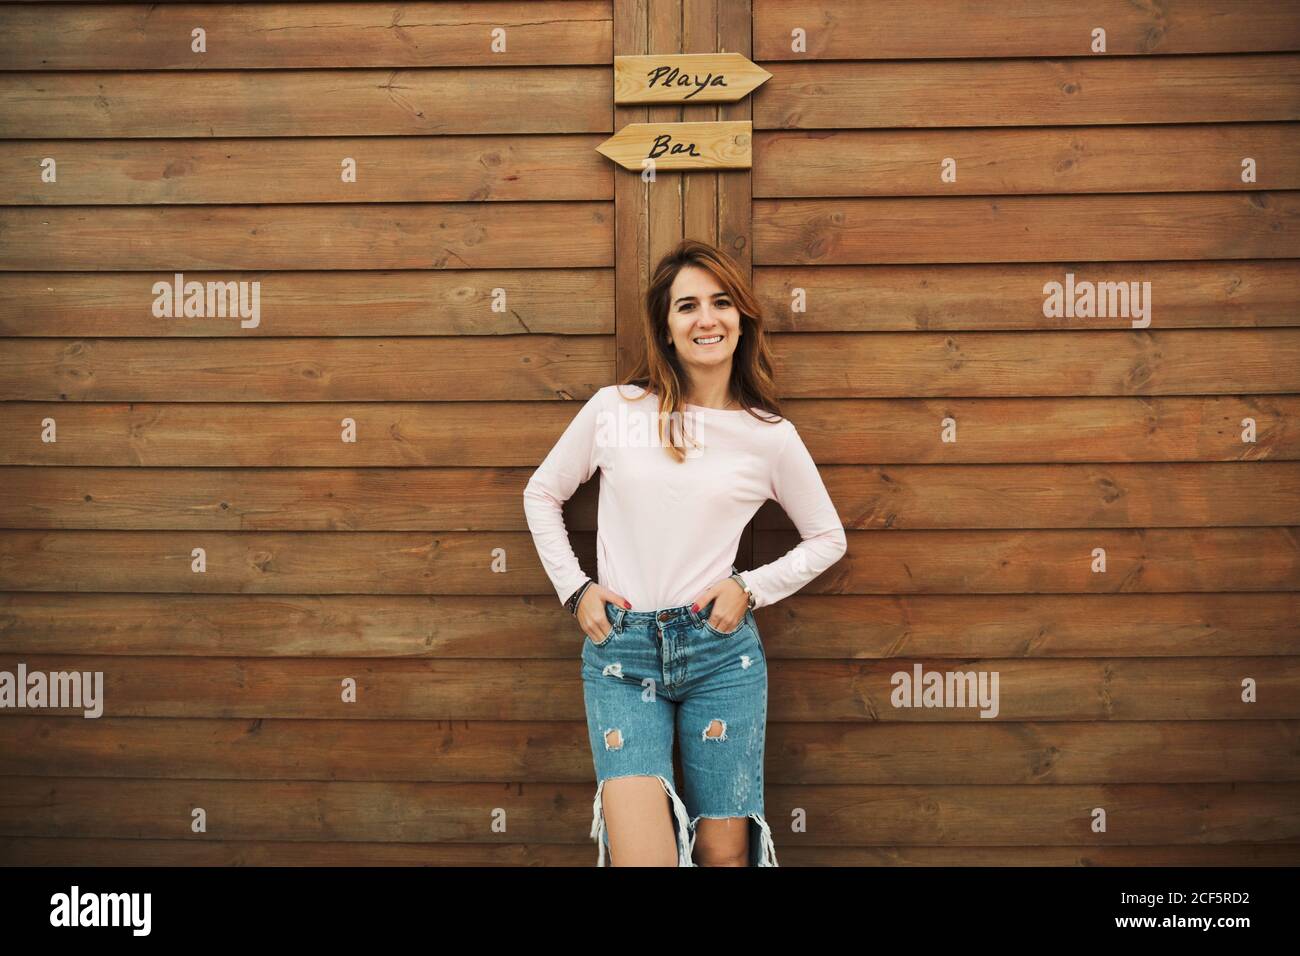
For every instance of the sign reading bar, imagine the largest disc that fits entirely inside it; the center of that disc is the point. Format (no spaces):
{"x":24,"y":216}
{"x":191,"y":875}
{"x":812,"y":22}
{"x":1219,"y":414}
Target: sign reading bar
{"x":713,"y":145}
{"x":686,"y":78}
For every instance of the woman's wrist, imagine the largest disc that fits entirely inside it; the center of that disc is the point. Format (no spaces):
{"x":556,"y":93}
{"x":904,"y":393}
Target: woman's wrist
{"x":749,"y":595}
{"x":572,"y":603}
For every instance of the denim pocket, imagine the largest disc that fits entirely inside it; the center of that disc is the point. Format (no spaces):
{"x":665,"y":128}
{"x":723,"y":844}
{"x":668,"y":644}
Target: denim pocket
{"x":704,"y":619}
{"x":608,"y":637}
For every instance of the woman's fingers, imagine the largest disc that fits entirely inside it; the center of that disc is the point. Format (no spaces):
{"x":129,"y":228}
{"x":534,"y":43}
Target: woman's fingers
{"x":704,"y":598}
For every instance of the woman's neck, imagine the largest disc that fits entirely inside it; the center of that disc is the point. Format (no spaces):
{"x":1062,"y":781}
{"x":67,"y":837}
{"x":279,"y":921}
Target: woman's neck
{"x":716,"y":396}
{"x":728,"y":403}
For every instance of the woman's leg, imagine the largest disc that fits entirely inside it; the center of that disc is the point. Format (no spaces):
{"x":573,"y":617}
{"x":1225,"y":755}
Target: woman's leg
{"x":722,"y":723}
{"x":641,"y":822}
{"x":637,"y":817}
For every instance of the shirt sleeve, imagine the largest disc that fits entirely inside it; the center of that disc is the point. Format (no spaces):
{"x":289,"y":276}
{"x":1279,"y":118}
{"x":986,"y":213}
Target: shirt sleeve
{"x":798,"y":488}
{"x":568,"y":464}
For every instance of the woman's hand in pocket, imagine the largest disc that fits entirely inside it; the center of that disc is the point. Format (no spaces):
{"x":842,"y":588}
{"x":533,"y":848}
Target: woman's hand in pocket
{"x":730,"y":602}
{"x":591,"y":611}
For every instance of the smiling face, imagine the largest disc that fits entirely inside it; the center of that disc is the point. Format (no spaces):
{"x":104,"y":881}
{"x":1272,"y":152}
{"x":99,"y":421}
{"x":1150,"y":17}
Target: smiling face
{"x":703,"y":320}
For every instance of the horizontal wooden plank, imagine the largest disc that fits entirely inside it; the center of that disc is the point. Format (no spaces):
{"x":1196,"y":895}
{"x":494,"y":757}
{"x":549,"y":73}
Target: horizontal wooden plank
{"x":300,"y":499}
{"x":452,"y":562}
{"x":1166,"y":495}
{"x":360,"y":236}
{"x":387,"y":169}
{"x":49,"y":851}
{"x":962,"y":626}
{"x":394,"y":562}
{"x":824,"y":627}
{"x":440,"y":302}
{"x":1038,"y":562}
{"x":794,"y":231}
{"x":891,"y":29}
{"x":534,"y":367}
{"x":836,"y":431}
{"x":1140,"y":814}
{"x":208,"y":103}
{"x":56,"y":851}
{"x":1132,"y":495}
{"x":1091,"y":90}
{"x":1009,"y":229}
{"x":292,"y":35}
{"x":526,"y":751}
{"x":1100,"y":689}
{"x":1227,"y":854}
{"x":519,"y":367}
{"x":881,"y":431}
{"x":1082,"y":159}
{"x":864,"y":298}
{"x":918,"y":364}
{"x":895,"y":298}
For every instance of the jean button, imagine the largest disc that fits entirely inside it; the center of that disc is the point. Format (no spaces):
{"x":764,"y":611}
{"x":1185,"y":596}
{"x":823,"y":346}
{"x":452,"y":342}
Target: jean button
{"x":663,"y":616}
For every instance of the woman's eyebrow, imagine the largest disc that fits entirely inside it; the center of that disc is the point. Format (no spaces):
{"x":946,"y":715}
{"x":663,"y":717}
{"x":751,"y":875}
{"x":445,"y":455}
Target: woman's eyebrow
{"x":692,"y":298}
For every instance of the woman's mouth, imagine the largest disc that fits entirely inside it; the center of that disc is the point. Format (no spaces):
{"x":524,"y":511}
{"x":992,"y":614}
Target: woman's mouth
{"x":708,"y":340}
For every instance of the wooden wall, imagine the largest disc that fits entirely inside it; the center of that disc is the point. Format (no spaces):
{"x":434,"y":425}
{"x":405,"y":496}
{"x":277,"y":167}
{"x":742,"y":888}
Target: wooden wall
{"x":403,"y":561}
{"x":1118,"y":690}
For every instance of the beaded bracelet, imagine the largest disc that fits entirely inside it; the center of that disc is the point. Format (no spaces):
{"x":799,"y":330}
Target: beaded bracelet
{"x":576,"y":596}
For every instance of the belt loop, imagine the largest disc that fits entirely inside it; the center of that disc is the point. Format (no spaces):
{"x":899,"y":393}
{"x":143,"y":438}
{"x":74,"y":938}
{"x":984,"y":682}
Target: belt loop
{"x":621,"y":612}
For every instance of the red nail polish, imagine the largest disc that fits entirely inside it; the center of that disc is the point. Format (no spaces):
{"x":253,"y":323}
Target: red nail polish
{"x":695,"y":608}
{"x":628,"y":606}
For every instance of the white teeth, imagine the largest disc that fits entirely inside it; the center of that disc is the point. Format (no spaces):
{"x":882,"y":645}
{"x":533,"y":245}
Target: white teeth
{"x":708,"y":341}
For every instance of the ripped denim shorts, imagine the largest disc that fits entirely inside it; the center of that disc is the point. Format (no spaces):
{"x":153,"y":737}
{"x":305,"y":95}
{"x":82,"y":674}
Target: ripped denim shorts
{"x":666,"y":669}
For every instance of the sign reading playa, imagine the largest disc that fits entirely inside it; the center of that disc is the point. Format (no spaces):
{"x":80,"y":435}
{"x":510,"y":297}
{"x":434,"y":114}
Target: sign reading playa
{"x":669,"y":78}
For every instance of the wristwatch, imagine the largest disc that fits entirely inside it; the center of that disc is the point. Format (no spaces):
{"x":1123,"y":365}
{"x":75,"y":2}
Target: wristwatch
{"x":748,"y":593}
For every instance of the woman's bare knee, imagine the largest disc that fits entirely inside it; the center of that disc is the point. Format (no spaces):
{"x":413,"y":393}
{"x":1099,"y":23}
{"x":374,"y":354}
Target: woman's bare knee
{"x":722,"y":842}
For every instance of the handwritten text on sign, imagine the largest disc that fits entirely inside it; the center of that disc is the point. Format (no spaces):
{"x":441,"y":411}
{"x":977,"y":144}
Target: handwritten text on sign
{"x":721,"y":145}
{"x":686,"y":78}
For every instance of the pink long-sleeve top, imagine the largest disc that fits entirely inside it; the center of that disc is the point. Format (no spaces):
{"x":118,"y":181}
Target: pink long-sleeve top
{"x":666,"y":530}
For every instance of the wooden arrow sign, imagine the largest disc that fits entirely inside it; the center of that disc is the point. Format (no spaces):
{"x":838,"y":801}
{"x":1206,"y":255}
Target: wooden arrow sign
{"x":686,"y":78}
{"x":717,"y":145}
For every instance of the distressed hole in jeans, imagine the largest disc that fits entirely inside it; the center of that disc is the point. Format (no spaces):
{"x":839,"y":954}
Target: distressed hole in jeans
{"x":717,"y":730}
{"x":614,"y":739}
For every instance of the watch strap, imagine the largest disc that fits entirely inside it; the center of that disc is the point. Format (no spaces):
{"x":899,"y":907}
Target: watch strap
{"x":748,"y":593}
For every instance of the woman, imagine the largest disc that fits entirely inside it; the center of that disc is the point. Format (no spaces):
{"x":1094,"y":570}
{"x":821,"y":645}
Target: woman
{"x":686,"y":459}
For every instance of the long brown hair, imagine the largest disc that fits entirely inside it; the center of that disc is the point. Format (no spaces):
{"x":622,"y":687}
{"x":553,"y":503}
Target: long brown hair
{"x":659,"y":369}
